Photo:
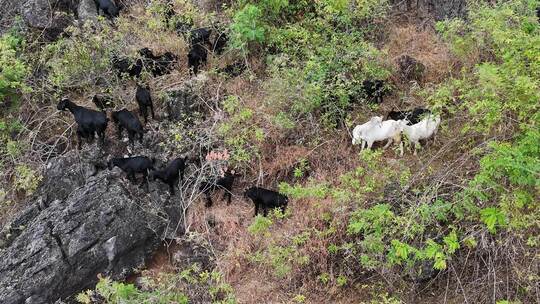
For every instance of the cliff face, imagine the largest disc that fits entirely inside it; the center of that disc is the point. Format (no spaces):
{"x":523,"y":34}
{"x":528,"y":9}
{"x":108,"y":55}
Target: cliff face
{"x":80,"y":225}
{"x":437,"y":9}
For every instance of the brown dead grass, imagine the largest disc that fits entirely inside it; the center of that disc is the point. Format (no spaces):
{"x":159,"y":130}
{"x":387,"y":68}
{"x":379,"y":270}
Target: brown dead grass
{"x":425,"y":46}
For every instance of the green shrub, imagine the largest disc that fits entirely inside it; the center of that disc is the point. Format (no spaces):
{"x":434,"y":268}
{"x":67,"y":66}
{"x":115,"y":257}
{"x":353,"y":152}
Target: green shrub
{"x":117,"y":292}
{"x":13,"y":70}
{"x":240,"y":133}
{"x":500,"y":89}
{"x":247,"y":27}
{"x":26,"y":179}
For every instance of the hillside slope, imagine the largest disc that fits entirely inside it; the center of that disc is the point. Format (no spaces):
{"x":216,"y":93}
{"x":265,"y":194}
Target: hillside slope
{"x":457,"y":223}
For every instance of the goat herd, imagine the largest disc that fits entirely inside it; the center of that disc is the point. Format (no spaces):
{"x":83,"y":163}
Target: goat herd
{"x":158,"y":65}
{"x":416,"y":124}
{"x":91,"y":122}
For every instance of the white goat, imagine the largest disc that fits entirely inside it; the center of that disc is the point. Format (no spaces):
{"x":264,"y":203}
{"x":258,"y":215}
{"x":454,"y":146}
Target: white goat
{"x":426,"y":128}
{"x":359,"y":129}
{"x":389,"y":129}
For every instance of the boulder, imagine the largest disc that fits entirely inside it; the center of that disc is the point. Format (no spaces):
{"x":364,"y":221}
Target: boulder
{"x":53,"y":17}
{"x":87,"y":11}
{"x":436,"y":9}
{"x":193,"y":249}
{"x":82,"y":223}
{"x":180,"y":104}
{"x":410,"y":68}
{"x":57,"y":26}
{"x":37,"y":13}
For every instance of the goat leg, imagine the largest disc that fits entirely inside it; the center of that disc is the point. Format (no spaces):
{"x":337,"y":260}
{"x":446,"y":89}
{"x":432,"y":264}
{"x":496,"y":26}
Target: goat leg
{"x":369,"y":144}
{"x":119,"y":132}
{"x":208,"y":201}
{"x":79,"y":139}
{"x":390,"y":141}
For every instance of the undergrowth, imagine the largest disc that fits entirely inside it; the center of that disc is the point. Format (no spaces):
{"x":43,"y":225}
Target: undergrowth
{"x":453,"y":220}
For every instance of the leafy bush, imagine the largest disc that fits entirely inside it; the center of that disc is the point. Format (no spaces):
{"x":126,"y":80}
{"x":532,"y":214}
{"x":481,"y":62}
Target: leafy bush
{"x":241,"y":137}
{"x":500,"y":89}
{"x":247,"y":27}
{"x":26,"y":179}
{"x":78,"y":61}
{"x":13,"y":69}
{"x":166,"y":287}
{"x":323,"y":56}
{"x":117,"y":292}
{"x":507,"y":81}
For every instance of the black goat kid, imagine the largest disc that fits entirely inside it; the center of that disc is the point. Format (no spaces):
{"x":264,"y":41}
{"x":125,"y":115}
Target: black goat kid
{"x":89,"y":122}
{"x":144,"y":100}
{"x":266,"y":199}
{"x":225,"y":183}
{"x":171,"y":174}
{"x":158,"y":65}
{"x":102,"y":101}
{"x":374,"y":90}
{"x":123,"y":65}
{"x":108,"y":8}
{"x":125,"y":119}
{"x":132,"y":166}
{"x":197,"y":56}
{"x":412,"y":116}
{"x":220,"y":43}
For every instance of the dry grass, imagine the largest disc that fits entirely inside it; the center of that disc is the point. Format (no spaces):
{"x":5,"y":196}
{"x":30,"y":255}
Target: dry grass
{"x":426,"y":47}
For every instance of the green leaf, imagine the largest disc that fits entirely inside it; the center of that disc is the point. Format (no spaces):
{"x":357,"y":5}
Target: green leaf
{"x":493,"y":217}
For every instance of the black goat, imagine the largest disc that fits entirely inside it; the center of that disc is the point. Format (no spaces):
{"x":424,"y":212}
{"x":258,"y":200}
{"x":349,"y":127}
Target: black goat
{"x":125,"y":119}
{"x":374,"y":90}
{"x":411,"y":116}
{"x":196,"y":57}
{"x":200,"y":36}
{"x":144,"y":100}
{"x":124,"y":65}
{"x":89,"y":122}
{"x":102,"y":102}
{"x":225,"y":183}
{"x":158,"y":65}
{"x":132,"y":166}
{"x":171,"y":174}
{"x":266,"y":199}
{"x":220,"y":43}
{"x":233,"y":70}
{"x":108,"y":8}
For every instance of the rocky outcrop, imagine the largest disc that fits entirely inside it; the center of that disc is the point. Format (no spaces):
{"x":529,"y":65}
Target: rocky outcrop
{"x":52,"y":17}
{"x":437,"y":9}
{"x":87,"y":11}
{"x":410,"y":68}
{"x":180,"y":104}
{"x":183,"y":103}
{"x":37,"y":13}
{"x":83,"y":222}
